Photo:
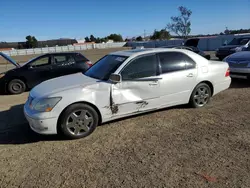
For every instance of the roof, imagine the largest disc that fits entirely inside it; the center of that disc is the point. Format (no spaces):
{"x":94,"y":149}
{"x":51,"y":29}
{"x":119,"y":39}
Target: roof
{"x":137,"y":52}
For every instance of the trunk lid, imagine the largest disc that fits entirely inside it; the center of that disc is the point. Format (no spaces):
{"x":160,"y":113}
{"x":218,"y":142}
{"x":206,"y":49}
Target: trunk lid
{"x":192,"y":42}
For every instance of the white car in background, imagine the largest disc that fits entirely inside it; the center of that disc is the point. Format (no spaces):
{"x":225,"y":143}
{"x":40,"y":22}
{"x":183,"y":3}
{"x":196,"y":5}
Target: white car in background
{"x":121,"y":84}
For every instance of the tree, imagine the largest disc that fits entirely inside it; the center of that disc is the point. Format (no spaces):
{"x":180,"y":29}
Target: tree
{"x":181,"y":25}
{"x":160,"y":35}
{"x":139,"y":38}
{"x":227,"y":32}
{"x":115,"y":37}
{"x":87,"y":39}
{"x":31,"y":42}
{"x":92,"y":38}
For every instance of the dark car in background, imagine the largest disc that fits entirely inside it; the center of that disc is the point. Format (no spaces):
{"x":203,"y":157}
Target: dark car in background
{"x":39,"y":69}
{"x":192,"y":45}
{"x":236,"y":45}
{"x":239,"y":64}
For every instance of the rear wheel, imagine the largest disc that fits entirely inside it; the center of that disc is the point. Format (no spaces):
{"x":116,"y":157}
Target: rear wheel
{"x":78,"y":121}
{"x":16,"y":86}
{"x":200,"y":96}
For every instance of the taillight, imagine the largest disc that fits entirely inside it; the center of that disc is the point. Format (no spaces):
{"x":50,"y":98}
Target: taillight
{"x":89,"y":63}
{"x":227,"y":73}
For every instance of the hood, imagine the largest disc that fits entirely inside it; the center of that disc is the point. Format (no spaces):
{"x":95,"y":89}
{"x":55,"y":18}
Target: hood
{"x":61,"y":83}
{"x":239,"y":56}
{"x":9,"y":59}
{"x":192,"y":42}
{"x":228,"y":47}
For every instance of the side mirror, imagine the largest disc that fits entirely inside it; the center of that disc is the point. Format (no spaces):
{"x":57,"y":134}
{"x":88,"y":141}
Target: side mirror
{"x":115,"y":78}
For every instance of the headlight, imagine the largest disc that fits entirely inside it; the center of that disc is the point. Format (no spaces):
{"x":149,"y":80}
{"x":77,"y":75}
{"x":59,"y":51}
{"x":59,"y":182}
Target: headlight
{"x":45,"y":104}
{"x":2,"y":75}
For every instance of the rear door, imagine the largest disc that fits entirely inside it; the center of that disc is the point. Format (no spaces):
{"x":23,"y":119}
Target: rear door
{"x":39,"y":70}
{"x":178,"y":73}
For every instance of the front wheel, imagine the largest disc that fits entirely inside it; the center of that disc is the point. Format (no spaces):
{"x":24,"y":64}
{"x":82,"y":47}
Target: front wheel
{"x":201,"y":95}
{"x":78,"y":121}
{"x":16,"y":86}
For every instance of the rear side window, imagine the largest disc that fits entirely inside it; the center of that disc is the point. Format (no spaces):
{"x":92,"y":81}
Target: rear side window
{"x":175,"y":61}
{"x":141,"y":67}
{"x":80,"y":58}
{"x":64,"y":59}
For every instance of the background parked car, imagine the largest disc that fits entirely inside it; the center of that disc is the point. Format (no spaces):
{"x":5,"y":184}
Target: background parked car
{"x":41,"y":68}
{"x":239,"y":64}
{"x":192,"y":45}
{"x":236,"y":45}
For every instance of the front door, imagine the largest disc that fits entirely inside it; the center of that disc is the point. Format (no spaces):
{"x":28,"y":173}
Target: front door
{"x":178,"y":73}
{"x":138,"y":90}
{"x":39,"y":70}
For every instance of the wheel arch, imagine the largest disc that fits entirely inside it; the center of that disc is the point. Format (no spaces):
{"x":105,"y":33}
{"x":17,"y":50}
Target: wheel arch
{"x":80,"y":102}
{"x":210,"y":86}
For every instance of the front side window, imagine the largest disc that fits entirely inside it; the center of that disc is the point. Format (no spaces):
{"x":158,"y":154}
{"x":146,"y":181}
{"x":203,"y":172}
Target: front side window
{"x":103,"y":68}
{"x":141,"y":67}
{"x":41,"y":62}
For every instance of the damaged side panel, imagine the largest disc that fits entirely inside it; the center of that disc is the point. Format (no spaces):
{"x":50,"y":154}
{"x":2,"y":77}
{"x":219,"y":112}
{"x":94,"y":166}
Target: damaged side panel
{"x":131,"y":97}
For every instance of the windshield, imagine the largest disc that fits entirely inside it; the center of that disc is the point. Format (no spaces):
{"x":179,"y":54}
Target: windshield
{"x":103,"y":68}
{"x":239,"y":41}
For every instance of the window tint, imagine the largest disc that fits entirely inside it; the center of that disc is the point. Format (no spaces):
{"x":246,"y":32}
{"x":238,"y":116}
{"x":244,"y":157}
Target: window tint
{"x":190,"y":64}
{"x":175,"y":61}
{"x":80,"y":58}
{"x":140,"y":68}
{"x":64,"y":59}
{"x":41,"y":62}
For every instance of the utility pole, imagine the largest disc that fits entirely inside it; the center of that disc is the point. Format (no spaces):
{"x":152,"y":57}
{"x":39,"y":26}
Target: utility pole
{"x":144,"y":34}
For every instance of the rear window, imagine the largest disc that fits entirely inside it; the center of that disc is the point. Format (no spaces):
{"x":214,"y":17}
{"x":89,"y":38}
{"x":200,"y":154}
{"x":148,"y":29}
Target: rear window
{"x":80,"y":57}
{"x":239,"y":41}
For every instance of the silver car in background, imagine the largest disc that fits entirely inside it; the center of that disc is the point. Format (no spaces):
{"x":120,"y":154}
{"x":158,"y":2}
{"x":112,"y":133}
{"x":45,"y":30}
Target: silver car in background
{"x":239,"y":64}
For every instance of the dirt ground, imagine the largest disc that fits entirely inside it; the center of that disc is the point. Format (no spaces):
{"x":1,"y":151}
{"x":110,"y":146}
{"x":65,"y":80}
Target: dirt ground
{"x":175,"y":147}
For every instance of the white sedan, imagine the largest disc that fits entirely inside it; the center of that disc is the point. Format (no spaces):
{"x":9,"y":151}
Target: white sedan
{"x":121,"y":84}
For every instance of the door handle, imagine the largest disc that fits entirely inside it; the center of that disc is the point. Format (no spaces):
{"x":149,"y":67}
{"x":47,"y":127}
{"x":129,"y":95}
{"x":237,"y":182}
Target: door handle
{"x":190,"y":75}
{"x":153,"y":83}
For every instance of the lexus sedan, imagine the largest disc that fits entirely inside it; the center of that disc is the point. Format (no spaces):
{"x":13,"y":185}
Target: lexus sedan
{"x":239,"y":64}
{"x":40,"y":69}
{"x":122,"y":84}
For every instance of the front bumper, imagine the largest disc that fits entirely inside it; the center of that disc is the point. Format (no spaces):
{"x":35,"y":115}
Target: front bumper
{"x":40,"y":125}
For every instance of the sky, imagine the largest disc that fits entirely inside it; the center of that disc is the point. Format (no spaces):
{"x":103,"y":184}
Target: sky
{"x":53,"y":19}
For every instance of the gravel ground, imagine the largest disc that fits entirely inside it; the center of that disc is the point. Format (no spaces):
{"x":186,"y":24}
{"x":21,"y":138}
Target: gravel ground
{"x":174,"y":147}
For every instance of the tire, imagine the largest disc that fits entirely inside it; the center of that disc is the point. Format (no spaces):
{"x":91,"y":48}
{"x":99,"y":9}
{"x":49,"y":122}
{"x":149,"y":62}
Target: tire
{"x":220,"y":58}
{"x":200,"y":96}
{"x":16,"y":86}
{"x":78,"y":121}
